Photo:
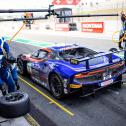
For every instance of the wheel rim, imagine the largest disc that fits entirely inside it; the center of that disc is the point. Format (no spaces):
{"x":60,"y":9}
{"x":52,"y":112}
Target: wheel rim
{"x":13,"y":97}
{"x":20,"y":67}
{"x":56,"y":86}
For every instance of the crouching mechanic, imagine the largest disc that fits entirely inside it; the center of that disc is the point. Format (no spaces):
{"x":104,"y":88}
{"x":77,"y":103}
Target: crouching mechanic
{"x":8,"y":72}
{"x":13,"y":69}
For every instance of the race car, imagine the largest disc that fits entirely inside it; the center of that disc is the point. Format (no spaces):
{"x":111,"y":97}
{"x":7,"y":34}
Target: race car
{"x":71,"y":68}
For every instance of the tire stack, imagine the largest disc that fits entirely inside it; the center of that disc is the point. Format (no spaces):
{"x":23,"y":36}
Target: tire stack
{"x":14,"y":105}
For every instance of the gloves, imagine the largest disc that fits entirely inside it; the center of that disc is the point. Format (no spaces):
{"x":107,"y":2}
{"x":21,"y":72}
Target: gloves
{"x":3,"y":90}
{"x":17,"y":85}
{"x":120,"y":47}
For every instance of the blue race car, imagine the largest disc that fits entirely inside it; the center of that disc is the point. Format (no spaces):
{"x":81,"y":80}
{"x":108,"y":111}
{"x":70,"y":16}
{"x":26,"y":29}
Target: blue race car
{"x":71,"y":68}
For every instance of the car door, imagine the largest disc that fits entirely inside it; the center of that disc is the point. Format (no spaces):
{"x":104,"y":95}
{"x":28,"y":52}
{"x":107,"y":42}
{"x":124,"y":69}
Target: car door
{"x":43,"y":67}
{"x":39,"y":67}
{"x":34,"y":64}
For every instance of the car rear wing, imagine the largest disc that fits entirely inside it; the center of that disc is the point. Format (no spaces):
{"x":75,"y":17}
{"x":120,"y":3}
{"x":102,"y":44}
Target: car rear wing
{"x":108,"y":55}
{"x":119,"y":53}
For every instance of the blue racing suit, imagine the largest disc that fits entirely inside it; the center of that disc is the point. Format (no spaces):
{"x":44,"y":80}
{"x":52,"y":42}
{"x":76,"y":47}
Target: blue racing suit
{"x":4,"y":46}
{"x":8,"y":75}
{"x":8,"y":72}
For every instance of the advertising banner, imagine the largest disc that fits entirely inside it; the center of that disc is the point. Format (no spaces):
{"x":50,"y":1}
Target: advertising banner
{"x":65,"y":2}
{"x":62,"y":27}
{"x":95,"y":27}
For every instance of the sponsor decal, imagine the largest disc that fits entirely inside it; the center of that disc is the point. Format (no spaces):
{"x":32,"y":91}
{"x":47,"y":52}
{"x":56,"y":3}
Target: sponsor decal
{"x":108,"y":82}
{"x":39,"y":81}
{"x":96,"y":27}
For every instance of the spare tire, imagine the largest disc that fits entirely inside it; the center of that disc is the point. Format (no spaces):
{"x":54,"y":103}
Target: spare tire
{"x":14,"y":105}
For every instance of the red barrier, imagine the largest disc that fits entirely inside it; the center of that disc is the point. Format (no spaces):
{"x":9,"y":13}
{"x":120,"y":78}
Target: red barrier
{"x":65,"y":2}
{"x":95,"y":27}
{"x":62,"y":27}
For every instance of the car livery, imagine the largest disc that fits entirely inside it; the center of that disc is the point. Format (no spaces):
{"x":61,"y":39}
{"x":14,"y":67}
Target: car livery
{"x":71,"y":68}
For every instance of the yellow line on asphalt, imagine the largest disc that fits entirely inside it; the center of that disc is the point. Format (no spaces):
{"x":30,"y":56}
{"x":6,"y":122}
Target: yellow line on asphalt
{"x":47,"y":97}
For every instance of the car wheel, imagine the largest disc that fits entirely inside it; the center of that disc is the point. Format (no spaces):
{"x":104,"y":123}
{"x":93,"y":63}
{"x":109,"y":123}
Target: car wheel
{"x":14,"y":105}
{"x":118,"y":82}
{"x":21,"y":67}
{"x":56,"y":86}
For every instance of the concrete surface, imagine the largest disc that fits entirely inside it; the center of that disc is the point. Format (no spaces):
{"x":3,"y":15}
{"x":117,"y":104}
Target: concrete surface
{"x":20,"y":121}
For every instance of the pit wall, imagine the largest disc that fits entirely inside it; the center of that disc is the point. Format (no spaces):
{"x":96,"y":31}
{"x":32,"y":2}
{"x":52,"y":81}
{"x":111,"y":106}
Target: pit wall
{"x":109,"y":26}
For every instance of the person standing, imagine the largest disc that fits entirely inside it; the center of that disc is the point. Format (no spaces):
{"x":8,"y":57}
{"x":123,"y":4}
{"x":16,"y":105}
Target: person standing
{"x":123,"y":20}
{"x":122,"y":35}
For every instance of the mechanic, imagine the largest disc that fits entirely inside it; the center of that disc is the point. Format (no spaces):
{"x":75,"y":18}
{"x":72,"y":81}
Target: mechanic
{"x":13,"y":69}
{"x":122,"y":34}
{"x":123,"y":19}
{"x":4,"y":47}
{"x":8,"y":74}
{"x":6,"y":68}
{"x":121,"y":39}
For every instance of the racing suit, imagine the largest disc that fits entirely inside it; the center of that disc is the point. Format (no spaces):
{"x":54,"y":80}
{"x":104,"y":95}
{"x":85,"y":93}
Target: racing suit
{"x":6,"y":77}
{"x":122,"y":35}
{"x":8,"y":72}
{"x":13,"y":70}
{"x":123,"y":19}
{"x":4,"y":47}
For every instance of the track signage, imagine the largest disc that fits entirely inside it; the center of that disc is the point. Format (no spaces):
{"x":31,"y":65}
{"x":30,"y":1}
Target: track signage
{"x":96,"y":27}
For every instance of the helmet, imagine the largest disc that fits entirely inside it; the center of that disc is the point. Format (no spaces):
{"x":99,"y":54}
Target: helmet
{"x":10,"y":58}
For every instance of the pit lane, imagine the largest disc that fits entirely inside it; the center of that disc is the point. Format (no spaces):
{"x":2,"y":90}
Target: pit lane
{"x":107,"y":108}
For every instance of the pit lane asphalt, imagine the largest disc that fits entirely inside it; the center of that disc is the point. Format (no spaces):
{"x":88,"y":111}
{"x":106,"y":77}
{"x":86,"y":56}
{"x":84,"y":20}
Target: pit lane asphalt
{"x":106,"y":109}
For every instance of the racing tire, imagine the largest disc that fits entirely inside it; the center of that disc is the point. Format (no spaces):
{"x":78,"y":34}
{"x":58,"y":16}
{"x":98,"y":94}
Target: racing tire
{"x":14,"y":104}
{"x":113,"y":50}
{"x":56,"y":86}
{"x":118,"y":82}
{"x":21,"y":67}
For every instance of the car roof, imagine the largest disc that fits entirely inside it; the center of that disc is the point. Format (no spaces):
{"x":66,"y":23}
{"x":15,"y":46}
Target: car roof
{"x":64,"y":47}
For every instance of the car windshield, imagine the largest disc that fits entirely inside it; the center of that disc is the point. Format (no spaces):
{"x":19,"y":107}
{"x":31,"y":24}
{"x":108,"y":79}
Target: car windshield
{"x":40,"y":54}
{"x":76,"y":53}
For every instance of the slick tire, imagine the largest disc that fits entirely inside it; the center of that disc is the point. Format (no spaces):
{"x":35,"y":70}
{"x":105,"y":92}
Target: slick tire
{"x":56,"y":86}
{"x":14,"y":104}
{"x":118,"y":82}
